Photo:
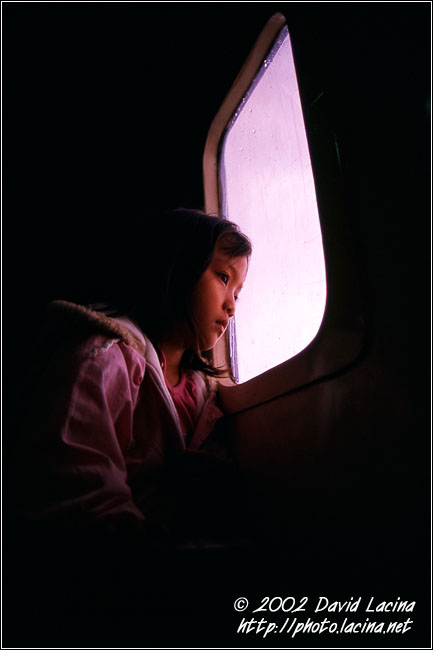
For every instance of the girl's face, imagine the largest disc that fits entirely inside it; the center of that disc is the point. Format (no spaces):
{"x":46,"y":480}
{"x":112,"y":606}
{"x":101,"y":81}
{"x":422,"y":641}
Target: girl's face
{"x":214,"y":297}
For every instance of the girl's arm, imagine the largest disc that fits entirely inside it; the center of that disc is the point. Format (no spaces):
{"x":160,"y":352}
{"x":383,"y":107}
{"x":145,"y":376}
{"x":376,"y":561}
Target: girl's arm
{"x":76,"y":463}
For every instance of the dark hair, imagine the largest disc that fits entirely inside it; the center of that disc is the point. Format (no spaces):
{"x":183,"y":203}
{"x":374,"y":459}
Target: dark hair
{"x":166,"y":265}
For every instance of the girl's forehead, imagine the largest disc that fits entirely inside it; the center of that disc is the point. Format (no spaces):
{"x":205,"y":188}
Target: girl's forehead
{"x":227,"y":259}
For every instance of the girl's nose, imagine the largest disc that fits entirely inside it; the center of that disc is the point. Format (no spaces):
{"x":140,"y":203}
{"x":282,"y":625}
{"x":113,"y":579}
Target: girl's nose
{"x":230,"y":306}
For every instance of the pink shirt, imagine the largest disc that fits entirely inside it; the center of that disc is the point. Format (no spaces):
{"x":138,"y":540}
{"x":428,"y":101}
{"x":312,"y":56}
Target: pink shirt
{"x":184,"y":396}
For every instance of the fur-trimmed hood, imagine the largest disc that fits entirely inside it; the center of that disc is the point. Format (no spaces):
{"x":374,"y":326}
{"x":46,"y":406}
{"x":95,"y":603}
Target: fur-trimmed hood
{"x":81,"y":322}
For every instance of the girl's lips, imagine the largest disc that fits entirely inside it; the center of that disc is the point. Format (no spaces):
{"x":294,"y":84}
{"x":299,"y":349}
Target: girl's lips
{"x":223,"y":323}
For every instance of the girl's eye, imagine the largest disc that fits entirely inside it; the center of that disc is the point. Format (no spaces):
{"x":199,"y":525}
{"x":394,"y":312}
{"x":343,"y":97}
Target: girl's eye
{"x":224,"y":277}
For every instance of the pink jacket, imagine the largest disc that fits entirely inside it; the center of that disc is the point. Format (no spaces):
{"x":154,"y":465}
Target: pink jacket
{"x":102,"y":424}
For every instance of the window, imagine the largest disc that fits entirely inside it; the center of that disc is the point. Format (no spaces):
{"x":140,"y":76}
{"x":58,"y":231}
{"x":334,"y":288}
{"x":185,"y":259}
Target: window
{"x":267,"y":187}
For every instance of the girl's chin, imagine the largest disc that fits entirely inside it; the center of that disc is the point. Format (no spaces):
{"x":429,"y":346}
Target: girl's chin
{"x":207,"y":346}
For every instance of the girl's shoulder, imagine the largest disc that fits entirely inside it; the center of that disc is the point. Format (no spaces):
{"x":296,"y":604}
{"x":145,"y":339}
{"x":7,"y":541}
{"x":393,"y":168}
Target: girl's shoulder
{"x":73,"y":335}
{"x":81,"y":350}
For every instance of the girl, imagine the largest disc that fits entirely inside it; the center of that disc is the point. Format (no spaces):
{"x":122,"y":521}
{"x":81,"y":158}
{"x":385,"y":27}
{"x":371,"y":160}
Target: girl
{"x":123,"y":388}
